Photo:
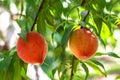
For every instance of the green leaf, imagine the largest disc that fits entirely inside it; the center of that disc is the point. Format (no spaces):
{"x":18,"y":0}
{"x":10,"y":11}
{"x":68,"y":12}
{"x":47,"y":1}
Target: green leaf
{"x":49,"y":17}
{"x":63,"y":74}
{"x":23,"y":35}
{"x":101,"y":65}
{"x":76,"y":62}
{"x":24,"y":71}
{"x":102,"y":41}
{"x":85,"y":69}
{"x":16,"y":67}
{"x":58,"y":50}
{"x":95,"y":67}
{"x":108,"y":23}
{"x":66,"y":35}
{"x":3,"y":54}
{"x":4,"y":64}
{"x":11,"y":66}
{"x":112,"y":54}
{"x":82,"y":23}
{"x":32,"y":8}
{"x":99,"y":4}
{"x":72,"y":12}
{"x":31,"y":2}
{"x":98,"y":22}
{"x":99,"y":54}
{"x":12,"y":51}
{"x":56,"y":7}
{"x":48,"y":66}
{"x":84,"y":13}
{"x":41,"y":23}
{"x":22,"y":8}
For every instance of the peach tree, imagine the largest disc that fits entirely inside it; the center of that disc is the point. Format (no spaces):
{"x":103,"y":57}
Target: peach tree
{"x":56,"y":20}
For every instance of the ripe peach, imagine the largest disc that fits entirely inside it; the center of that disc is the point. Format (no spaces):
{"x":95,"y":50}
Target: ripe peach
{"x":83,"y":43}
{"x":33,"y":50}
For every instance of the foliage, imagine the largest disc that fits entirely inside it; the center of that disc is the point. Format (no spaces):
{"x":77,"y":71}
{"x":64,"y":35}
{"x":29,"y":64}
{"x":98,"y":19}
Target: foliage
{"x":55,"y":20}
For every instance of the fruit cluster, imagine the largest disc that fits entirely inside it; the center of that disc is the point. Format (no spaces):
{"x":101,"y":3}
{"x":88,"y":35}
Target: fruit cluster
{"x":82,"y":42}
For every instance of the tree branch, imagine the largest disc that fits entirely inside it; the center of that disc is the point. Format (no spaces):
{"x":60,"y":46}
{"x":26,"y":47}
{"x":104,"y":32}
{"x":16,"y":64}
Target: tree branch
{"x":83,"y":2}
{"x":36,"y":70}
{"x":86,"y":16}
{"x":72,"y":70}
{"x":39,"y":10}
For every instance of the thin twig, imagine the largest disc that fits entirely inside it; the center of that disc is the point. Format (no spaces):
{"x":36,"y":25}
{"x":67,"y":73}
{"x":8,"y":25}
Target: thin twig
{"x":83,"y":2}
{"x":72,"y":69}
{"x":40,"y":8}
{"x":86,"y":16}
{"x":36,"y":70}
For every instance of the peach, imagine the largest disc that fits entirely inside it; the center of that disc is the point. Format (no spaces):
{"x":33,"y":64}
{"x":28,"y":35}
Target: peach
{"x":83,"y":43}
{"x":33,"y":50}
